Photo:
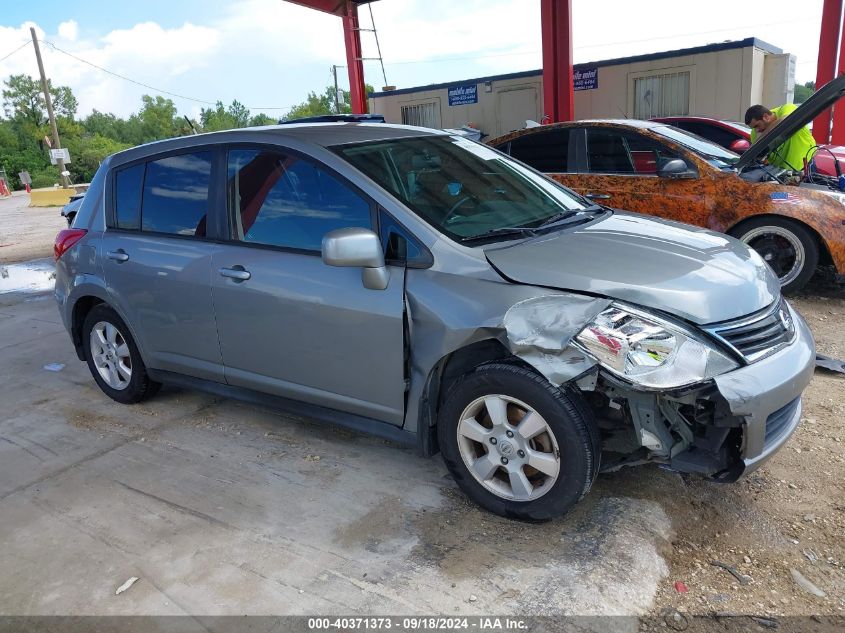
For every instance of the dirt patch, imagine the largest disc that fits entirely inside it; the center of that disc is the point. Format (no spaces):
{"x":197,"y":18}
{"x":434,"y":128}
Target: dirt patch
{"x":26,"y":232}
{"x":789,"y":515}
{"x":88,"y":421}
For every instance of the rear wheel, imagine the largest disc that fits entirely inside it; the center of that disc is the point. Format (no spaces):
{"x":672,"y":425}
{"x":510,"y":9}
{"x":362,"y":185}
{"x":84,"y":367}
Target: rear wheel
{"x":517,"y":445}
{"x":113,"y":357}
{"x":788,"y":247}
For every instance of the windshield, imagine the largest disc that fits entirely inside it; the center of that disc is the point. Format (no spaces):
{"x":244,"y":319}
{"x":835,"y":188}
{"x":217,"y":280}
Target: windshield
{"x":714,"y":154}
{"x":462,"y":188}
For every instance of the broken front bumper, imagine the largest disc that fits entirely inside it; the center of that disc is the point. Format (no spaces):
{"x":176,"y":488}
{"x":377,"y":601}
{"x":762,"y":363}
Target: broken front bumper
{"x":767,"y":396}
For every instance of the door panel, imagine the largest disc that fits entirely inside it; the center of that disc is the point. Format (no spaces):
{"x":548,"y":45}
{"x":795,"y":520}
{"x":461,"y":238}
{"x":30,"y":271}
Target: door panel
{"x":515,"y":106}
{"x":620,"y":171}
{"x":163,"y":287}
{"x":301,"y":329}
{"x":288,"y":323}
{"x":157,"y":264}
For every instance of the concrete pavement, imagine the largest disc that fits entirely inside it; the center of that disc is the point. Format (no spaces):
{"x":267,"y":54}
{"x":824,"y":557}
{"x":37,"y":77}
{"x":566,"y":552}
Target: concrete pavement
{"x":224,"y":508}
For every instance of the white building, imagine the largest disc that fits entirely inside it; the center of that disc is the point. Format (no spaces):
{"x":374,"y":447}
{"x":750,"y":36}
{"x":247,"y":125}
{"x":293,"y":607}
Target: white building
{"x":717,"y":80}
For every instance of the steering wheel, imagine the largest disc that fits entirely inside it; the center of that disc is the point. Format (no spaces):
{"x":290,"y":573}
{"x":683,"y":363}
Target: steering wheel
{"x":454,"y":208}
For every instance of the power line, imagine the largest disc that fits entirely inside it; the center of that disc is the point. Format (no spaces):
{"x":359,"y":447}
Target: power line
{"x":148,"y":86}
{"x":15,"y":51}
{"x":119,"y":76}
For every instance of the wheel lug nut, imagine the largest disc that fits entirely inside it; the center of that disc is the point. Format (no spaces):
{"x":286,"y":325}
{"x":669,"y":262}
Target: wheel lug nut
{"x":492,"y":440}
{"x":521,"y":453}
{"x":510,"y":433}
{"x":505,"y":460}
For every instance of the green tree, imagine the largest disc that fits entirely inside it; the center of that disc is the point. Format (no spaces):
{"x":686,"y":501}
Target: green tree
{"x":223,"y":118}
{"x":158,"y":118}
{"x":315,"y":105}
{"x":88,"y":152}
{"x":262,"y":119}
{"x":803,"y":92}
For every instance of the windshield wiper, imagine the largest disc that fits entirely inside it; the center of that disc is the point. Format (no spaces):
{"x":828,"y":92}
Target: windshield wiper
{"x":522,"y":231}
{"x":569,"y":215}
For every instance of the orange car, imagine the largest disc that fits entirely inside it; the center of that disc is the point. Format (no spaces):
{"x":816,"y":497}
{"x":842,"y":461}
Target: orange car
{"x":652,"y":168}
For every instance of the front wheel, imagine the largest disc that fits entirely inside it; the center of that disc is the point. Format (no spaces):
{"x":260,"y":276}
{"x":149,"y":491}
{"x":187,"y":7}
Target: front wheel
{"x":516,"y":444}
{"x":789,"y":248}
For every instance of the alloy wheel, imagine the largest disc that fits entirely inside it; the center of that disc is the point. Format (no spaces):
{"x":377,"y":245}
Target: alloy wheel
{"x":508,"y":447}
{"x":110,"y":353}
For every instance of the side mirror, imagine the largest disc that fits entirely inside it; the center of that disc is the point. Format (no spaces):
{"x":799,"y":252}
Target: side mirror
{"x":675,"y":168}
{"x":739,"y":146}
{"x":357,"y":248}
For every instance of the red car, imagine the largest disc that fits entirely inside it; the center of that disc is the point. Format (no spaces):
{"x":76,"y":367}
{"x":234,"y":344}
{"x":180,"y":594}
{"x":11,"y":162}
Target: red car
{"x":736,"y":137}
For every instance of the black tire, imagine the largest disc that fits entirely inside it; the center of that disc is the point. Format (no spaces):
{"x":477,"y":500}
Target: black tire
{"x":784,"y":232}
{"x":139,"y":386}
{"x":567,"y":417}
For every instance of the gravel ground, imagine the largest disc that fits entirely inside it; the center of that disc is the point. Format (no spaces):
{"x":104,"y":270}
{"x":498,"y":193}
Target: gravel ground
{"x":789,"y":515}
{"x":27,"y":232}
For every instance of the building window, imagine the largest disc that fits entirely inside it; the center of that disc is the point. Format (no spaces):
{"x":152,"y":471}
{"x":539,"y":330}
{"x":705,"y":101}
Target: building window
{"x":422,"y":114}
{"x":661,"y":95}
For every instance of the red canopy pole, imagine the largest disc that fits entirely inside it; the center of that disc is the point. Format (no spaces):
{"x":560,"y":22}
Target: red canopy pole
{"x":558,"y":99}
{"x":828,"y":48}
{"x":838,"y":132}
{"x":352,"y":38}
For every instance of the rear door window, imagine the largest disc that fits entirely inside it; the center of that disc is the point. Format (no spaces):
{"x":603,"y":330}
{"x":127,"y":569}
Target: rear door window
{"x":279,"y":199}
{"x":546,"y":151}
{"x":175,"y":194}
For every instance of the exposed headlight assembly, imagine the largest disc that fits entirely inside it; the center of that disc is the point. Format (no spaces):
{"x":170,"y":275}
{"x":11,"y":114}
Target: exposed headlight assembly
{"x":649,"y":351}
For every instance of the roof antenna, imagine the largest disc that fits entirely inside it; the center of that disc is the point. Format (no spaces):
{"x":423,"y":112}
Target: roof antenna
{"x":191,"y":123}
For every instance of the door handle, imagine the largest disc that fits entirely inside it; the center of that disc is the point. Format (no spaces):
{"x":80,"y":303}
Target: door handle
{"x":119,"y":255}
{"x":597,"y":196}
{"x":236,"y":272}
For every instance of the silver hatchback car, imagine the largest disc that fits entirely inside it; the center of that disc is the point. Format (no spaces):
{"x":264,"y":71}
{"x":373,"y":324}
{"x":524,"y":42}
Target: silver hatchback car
{"x":431,"y":290}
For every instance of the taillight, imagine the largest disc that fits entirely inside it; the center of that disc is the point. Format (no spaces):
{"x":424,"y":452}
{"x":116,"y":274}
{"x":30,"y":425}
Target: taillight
{"x":65,"y":239}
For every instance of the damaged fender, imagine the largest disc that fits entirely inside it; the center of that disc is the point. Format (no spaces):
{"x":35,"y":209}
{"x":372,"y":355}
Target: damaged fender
{"x":532,"y":323}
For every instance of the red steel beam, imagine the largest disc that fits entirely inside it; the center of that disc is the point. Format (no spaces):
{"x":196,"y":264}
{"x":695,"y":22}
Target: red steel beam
{"x":335,"y":7}
{"x":352,"y":37}
{"x":829,"y":38}
{"x":348,"y":11}
{"x":837,"y":133}
{"x":558,"y":98}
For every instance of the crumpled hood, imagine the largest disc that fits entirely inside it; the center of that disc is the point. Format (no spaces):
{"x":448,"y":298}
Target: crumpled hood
{"x":692,"y":273}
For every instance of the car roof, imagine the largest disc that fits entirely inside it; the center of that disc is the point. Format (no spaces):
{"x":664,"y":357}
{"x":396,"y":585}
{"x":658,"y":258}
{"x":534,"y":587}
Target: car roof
{"x":321,"y":134}
{"x":629,"y":123}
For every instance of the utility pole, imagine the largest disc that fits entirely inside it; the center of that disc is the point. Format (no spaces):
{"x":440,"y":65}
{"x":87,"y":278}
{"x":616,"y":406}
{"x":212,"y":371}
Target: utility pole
{"x":336,"y":100}
{"x":57,"y":144}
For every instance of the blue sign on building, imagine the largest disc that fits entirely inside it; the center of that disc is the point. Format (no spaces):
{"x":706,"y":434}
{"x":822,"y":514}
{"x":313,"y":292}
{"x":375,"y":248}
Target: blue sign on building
{"x":586,"y":79}
{"x":463,"y":95}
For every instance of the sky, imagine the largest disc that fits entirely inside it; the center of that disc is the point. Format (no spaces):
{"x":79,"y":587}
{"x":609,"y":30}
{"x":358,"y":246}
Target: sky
{"x":268,"y":54}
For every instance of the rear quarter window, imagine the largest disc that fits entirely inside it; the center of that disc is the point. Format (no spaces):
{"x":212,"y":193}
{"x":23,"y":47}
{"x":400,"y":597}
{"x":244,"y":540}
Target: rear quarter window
{"x":127,"y":197}
{"x":92,"y":201}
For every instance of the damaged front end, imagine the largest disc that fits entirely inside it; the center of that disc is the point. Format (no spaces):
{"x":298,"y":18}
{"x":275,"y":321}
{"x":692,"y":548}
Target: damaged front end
{"x":716,"y":401}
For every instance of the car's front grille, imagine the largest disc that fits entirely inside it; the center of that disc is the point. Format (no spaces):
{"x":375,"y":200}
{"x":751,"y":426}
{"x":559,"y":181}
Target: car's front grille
{"x":778,"y":422}
{"x":758,"y":335}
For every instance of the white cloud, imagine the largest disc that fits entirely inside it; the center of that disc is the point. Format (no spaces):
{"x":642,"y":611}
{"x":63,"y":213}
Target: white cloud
{"x":69,"y":30}
{"x":271,"y":53}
